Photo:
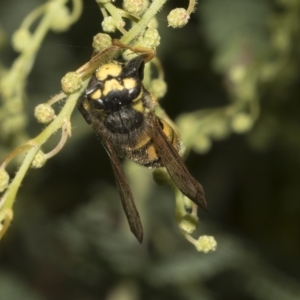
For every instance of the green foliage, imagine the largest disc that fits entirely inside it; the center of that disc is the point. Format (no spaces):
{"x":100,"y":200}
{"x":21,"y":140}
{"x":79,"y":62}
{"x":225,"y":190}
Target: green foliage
{"x":69,"y":239}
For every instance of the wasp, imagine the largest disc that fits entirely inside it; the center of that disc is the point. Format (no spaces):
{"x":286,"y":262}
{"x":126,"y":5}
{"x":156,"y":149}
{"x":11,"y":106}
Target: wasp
{"x":122,"y":112}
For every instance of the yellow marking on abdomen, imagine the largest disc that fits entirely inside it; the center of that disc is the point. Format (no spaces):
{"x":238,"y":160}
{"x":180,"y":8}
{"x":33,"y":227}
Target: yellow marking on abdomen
{"x":138,"y":106}
{"x":171,"y":134}
{"x":151,"y":153}
{"x":168,"y":130}
{"x":141,"y":142}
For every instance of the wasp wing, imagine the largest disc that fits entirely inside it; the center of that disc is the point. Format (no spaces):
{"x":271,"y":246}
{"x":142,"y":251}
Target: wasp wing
{"x":176,"y":168}
{"x":126,"y":196}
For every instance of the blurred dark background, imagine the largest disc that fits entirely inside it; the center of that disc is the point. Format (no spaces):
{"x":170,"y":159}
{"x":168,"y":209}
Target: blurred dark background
{"x":69,"y":239}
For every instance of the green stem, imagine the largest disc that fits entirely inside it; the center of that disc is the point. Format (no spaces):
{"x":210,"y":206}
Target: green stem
{"x":65,"y":113}
{"x":116,"y":16}
{"x":22,"y":65}
{"x":13,"y":188}
{"x":191,"y":8}
{"x":76,"y":12}
{"x":36,"y":13}
{"x":59,"y":120}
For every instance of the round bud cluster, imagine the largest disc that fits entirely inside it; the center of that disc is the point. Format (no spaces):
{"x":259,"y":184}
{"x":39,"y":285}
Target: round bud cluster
{"x":219,"y":129}
{"x":133,"y":6}
{"x":39,"y":160}
{"x":146,"y":4}
{"x":151,"y":38}
{"x":153,"y":24}
{"x":158,"y":87}
{"x":178,"y":17}
{"x":71,"y":83}
{"x":44,"y":113}
{"x":20,"y":39}
{"x":4,"y":180}
{"x":61,"y":21}
{"x":101,"y":41}
{"x":108,"y":24}
{"x":241,"y":122}
{"x":202,"y":144}
{"x":188,"y":223}
{"x":206,"y":244}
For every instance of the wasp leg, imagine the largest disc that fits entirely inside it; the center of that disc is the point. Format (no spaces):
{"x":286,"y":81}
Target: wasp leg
{"x":147,"y":53}
{"x":82,"y":109}
{"x":96,"y":61}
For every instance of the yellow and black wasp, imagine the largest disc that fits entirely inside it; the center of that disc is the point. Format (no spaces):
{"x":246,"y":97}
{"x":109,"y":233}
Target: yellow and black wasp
{"x":121,"y":111}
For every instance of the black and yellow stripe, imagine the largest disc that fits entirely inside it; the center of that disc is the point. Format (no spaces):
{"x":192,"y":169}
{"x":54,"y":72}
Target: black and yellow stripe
{"x":144,"y":152}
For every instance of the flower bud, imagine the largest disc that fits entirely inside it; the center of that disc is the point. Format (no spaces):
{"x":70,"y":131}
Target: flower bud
{"x":178,"y":17}
{"x":71,"y":83}
{"x":39,"y":160}
{"x":44,"y":113}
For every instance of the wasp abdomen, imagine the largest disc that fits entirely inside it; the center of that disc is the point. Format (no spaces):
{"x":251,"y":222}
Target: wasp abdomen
{"x":124,"y":121}
{"x":144,"y":153}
